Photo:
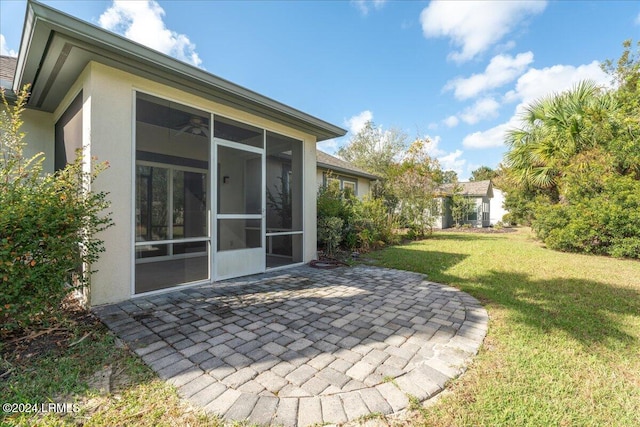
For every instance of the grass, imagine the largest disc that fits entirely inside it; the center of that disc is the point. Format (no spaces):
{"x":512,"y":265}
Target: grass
{"x":563,"y":346}
{"x":62,"y":373}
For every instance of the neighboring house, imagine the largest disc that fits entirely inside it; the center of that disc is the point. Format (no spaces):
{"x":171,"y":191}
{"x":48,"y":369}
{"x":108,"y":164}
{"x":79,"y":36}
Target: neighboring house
{"x":479,"y":193}
{"x":207,"y":180}
{"x":348,"y":176}
{"x":497,"y":207}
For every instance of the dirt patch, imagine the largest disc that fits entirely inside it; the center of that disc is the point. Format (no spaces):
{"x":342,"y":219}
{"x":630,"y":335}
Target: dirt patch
{"x":21,"y":347}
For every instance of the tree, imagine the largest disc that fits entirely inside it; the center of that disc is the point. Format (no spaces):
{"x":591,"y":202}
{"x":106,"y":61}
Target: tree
{"x":461,"y":206}
{"x":374,"y":149}
{"x":573,"y":167}
{"x":415,"y":182}
{"x":553,"y":130}
{"x":625,"y":75}
{"x":449,"y":177}
{"x":483,"y":173}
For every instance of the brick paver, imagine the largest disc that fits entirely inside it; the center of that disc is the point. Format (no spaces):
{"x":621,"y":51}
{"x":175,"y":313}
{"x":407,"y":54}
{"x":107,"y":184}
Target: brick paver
{"x":304,"y":346}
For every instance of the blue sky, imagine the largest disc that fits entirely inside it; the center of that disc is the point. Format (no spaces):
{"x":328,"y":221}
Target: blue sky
{"x":457,"y":72}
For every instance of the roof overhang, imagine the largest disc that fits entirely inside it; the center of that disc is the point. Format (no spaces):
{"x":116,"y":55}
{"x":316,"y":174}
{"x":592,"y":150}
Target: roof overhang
{"x":347,"y":171}
{"x":56,"y":47}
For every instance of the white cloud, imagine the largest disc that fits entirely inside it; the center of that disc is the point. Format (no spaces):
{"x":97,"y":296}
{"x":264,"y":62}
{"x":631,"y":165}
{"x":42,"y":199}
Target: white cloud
{"x":448,"y":160}
{"x":489,"y":138}
{"x":472,"y":166}
{"x":475,"y":26}
{"x":433,"y":147}
{"x":486,"y":108}
{"x":533,"y":85}
{"x":501,"y":70}
{"x":357,"y":122}
{"x":365,"y":5}
{"x":537,"y":83}
{"x":4,"y":49}
{"x":451,"y":121}
{"x":142,"y":22}
{"x":638,"y":19}
{"x":329,"y":146}
{"x":453,"y":162}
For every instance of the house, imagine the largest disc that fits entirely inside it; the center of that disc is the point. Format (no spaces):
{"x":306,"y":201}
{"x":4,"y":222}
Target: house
{"x":347,"y":176}
{"x":479,"y":194}
{"x":208,"y":180}
{"x":496,"y":205}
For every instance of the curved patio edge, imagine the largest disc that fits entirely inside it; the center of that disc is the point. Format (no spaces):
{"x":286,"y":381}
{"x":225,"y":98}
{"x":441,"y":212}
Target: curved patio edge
{"x":303,"y":346}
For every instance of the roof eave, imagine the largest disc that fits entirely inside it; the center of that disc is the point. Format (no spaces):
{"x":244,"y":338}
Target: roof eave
{"x":41,"y":22}
{"x":347,"y":171}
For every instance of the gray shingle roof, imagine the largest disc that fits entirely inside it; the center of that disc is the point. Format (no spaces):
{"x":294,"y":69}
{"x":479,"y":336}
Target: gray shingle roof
{"x":7,"y":71}
{"x":330,"y":162}
{"x":472,"y":188}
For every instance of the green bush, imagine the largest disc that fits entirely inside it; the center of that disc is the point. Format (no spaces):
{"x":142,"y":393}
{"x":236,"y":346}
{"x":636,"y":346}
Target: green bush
{"x":373,"y":224}
{"x":48,"y":224}
{"x":366,"y":224}
{"x":625,"y":247}
{"x":330,"y":233}
{"x":333,"y":202}
{"x":606,"y":223}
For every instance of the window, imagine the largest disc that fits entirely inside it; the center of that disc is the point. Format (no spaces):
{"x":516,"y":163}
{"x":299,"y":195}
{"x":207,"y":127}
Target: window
{"x":68,"y":134}
{"x":172,"y":170}
{"x":485,"y":211}
{"x":284,"y":200}
{"x":350,"y":185}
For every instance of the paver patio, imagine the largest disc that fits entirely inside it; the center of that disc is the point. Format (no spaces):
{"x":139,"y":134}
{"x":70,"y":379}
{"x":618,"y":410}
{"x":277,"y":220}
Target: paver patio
{"x":303,"y":346}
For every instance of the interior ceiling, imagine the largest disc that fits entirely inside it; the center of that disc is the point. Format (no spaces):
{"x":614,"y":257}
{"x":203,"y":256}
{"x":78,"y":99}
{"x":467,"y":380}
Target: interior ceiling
{"x":164,"y":116}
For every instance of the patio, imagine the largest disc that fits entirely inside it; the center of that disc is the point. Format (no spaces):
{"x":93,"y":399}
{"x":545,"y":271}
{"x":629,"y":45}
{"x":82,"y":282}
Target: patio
{"x":303,"y":346}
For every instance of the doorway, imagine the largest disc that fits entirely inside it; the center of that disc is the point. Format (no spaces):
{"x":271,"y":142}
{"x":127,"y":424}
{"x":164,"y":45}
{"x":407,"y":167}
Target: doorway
{"x":240,"y":210}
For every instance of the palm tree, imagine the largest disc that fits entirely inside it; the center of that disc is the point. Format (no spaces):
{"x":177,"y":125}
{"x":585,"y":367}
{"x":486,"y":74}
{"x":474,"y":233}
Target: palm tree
{"x":554,"y":129}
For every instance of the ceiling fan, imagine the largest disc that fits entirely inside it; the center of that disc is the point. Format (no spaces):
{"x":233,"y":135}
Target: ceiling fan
{"x":195,"y":126}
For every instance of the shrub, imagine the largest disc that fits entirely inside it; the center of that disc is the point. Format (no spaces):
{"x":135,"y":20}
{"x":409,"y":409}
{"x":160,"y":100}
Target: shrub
{"x":333,"y":202}
{"x":48,"y":224}
{"x":373,"y":224}
{"x":606,"y":223}
{"x":330,"y":233}
{"x":366,"y":224}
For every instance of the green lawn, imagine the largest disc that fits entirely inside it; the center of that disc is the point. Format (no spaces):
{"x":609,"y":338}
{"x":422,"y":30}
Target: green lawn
{"x":563,"y":346}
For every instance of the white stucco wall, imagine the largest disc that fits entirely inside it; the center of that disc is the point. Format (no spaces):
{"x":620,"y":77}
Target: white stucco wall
{"x":497,"y":206}
{"x":364,"y":187}
{"x":443,"y":218}
{"x":108,"y":134}
{"x":38,"y":128}
{"x":108,"y":95}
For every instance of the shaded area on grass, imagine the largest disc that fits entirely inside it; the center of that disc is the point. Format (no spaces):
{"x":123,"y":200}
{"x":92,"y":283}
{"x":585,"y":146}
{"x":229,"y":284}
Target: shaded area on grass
{"x":581,"y":308}
{"x":564,"y":334}
{"x":460,"y":237}
{"x":584,"y":309}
